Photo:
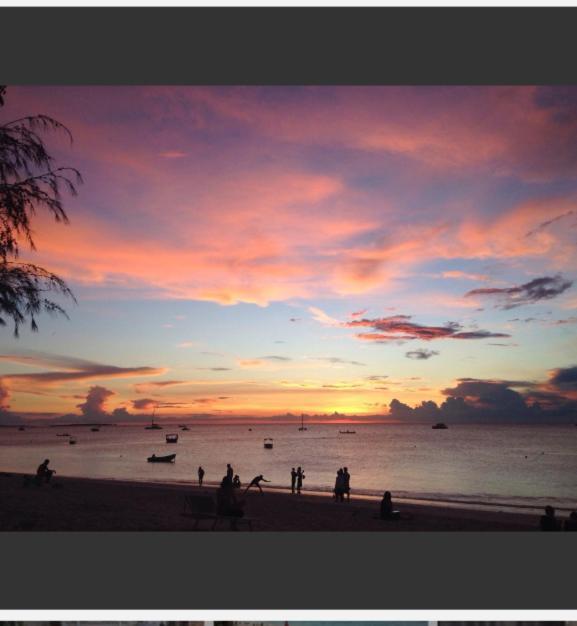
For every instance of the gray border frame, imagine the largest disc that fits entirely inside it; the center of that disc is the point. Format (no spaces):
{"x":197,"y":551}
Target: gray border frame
{"x":260,"y":570}
{"x":287,"y":46}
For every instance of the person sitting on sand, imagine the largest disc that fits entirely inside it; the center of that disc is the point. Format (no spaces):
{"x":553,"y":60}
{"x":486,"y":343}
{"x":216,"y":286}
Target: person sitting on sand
{"x":548,"y":521}
{"x":340,"y":486}
{"x":571,"y":523}
{"x":293,"y":480}
{"x":256,"y":483}
{"x":200,"y":476}
{"x":300,"y":477}
{"x":236,"y":481}
{"x":43,"y":473}
{"x":347,"y":482}
{"x":387,"y":511}
{"x":226,"y":502}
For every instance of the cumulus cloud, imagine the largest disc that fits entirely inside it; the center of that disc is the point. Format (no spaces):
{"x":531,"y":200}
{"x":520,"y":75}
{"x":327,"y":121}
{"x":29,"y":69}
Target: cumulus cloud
{"x":6,"y":416}
{"x":421,"y":354}
{"x":499,"y":401}
{"x":543,"y":288}
{"x":94,"y":407}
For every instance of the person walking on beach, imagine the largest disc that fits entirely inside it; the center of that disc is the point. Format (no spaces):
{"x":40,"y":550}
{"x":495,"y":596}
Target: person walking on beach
{"x":200,"y":475}
{"x":293,"y":480}
{"x":256,"y":483}
{"x":300,"y":478}
{"x":229,"y":472}
{"x":347,"y":482}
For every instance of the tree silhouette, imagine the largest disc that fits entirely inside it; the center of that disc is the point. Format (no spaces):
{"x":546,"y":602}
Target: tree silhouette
{"x":28,"y":181}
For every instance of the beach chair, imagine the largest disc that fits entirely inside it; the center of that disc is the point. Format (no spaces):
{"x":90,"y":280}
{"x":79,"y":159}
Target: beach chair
{"x":203,"y":507}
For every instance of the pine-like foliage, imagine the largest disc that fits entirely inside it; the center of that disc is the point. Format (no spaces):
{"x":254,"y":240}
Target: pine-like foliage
{"x":28,"y":182}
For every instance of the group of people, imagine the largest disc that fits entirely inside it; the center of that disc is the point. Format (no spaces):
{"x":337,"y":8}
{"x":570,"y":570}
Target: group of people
{"x":342,"y":485}
{"x":549,"y":521}
{"x":227,"y":501}
{"x":297,"y":477}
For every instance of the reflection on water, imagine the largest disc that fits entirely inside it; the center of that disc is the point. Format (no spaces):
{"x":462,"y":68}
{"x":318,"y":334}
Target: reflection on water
{"x":518,"y":465}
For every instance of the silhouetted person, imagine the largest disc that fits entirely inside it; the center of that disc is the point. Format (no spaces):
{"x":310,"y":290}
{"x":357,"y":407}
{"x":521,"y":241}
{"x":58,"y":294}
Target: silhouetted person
{"x":236,"y":481}
{"x":571,"y":523}
{"x":200,"y":476}
{"x":226,"y":501}
{"x":300,"y":477}
{"x":387,"y":511}
{"x":255,"y":482}
{"x":548,"y":521}
{"x":293,"y":480}
{"x":347,"y":482}
{"x":340,"y":486}
{"x":43,"y":473}
{"x":229,"y":472}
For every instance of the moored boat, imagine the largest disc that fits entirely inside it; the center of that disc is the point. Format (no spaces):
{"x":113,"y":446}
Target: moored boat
{"x":439,"y":426}
{"x":169,"y":458}
{"x":268,"y":443}
{"x":72,"y":441}
{"x":172,"y":438}
{"x":347,"y":432}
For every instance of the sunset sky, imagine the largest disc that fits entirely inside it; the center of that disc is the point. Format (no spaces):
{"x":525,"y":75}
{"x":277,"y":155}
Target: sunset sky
{"x":252,"y":251}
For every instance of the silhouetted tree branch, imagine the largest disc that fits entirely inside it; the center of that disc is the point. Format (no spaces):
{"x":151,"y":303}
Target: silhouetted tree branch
{"x":28,"y":181}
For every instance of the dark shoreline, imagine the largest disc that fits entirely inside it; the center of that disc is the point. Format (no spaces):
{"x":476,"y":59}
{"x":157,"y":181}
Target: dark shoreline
{"x":84,"y":504}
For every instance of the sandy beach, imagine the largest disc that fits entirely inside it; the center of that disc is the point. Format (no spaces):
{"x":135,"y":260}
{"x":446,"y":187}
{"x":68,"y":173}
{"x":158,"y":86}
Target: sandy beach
{"x":80,"y":504}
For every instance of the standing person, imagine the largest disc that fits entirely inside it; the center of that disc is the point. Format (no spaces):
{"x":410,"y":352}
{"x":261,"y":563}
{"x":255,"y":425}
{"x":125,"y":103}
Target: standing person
{"x":548,"y":521}
{"x":347,"y":482}
{"x":256,"y":483}
{"x":339,"y":486}
{"x":293,"y":480}
{"x":229,"y":472}
{"x":300,"y":477}
{"x":200,"y":475}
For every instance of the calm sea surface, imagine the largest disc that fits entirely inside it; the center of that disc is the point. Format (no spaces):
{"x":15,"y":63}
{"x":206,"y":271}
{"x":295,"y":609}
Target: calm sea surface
{"x":524,"y":466}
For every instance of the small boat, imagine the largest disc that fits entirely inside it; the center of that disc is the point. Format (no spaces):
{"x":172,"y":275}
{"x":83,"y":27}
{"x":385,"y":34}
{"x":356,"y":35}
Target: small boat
{"x":302,"y":426}
{"x":250,"y":429}
{"x":21,"y":428}
{"x":172,"y":438}
{"x":153,"y":424}
{"x":268,"y":443}
{"x":184,"y":428}
{"x":62,"y":435}
{"x":95,"y":429}
{"x":439,"y":426}
{"x":347,"y":432}
{"x":72,"y":441}
{"x":169,"y":458}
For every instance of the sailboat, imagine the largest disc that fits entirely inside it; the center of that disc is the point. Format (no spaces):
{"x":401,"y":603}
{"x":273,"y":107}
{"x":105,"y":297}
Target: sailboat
{"x":302,"y":426}
{"x":153,"y":424}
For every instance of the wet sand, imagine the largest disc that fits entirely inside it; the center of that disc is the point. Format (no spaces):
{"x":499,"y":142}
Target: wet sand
{"x":80,"y":504}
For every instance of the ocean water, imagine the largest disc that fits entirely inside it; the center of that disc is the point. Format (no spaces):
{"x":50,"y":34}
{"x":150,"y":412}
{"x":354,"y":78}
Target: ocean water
{"x":514,"y":466}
